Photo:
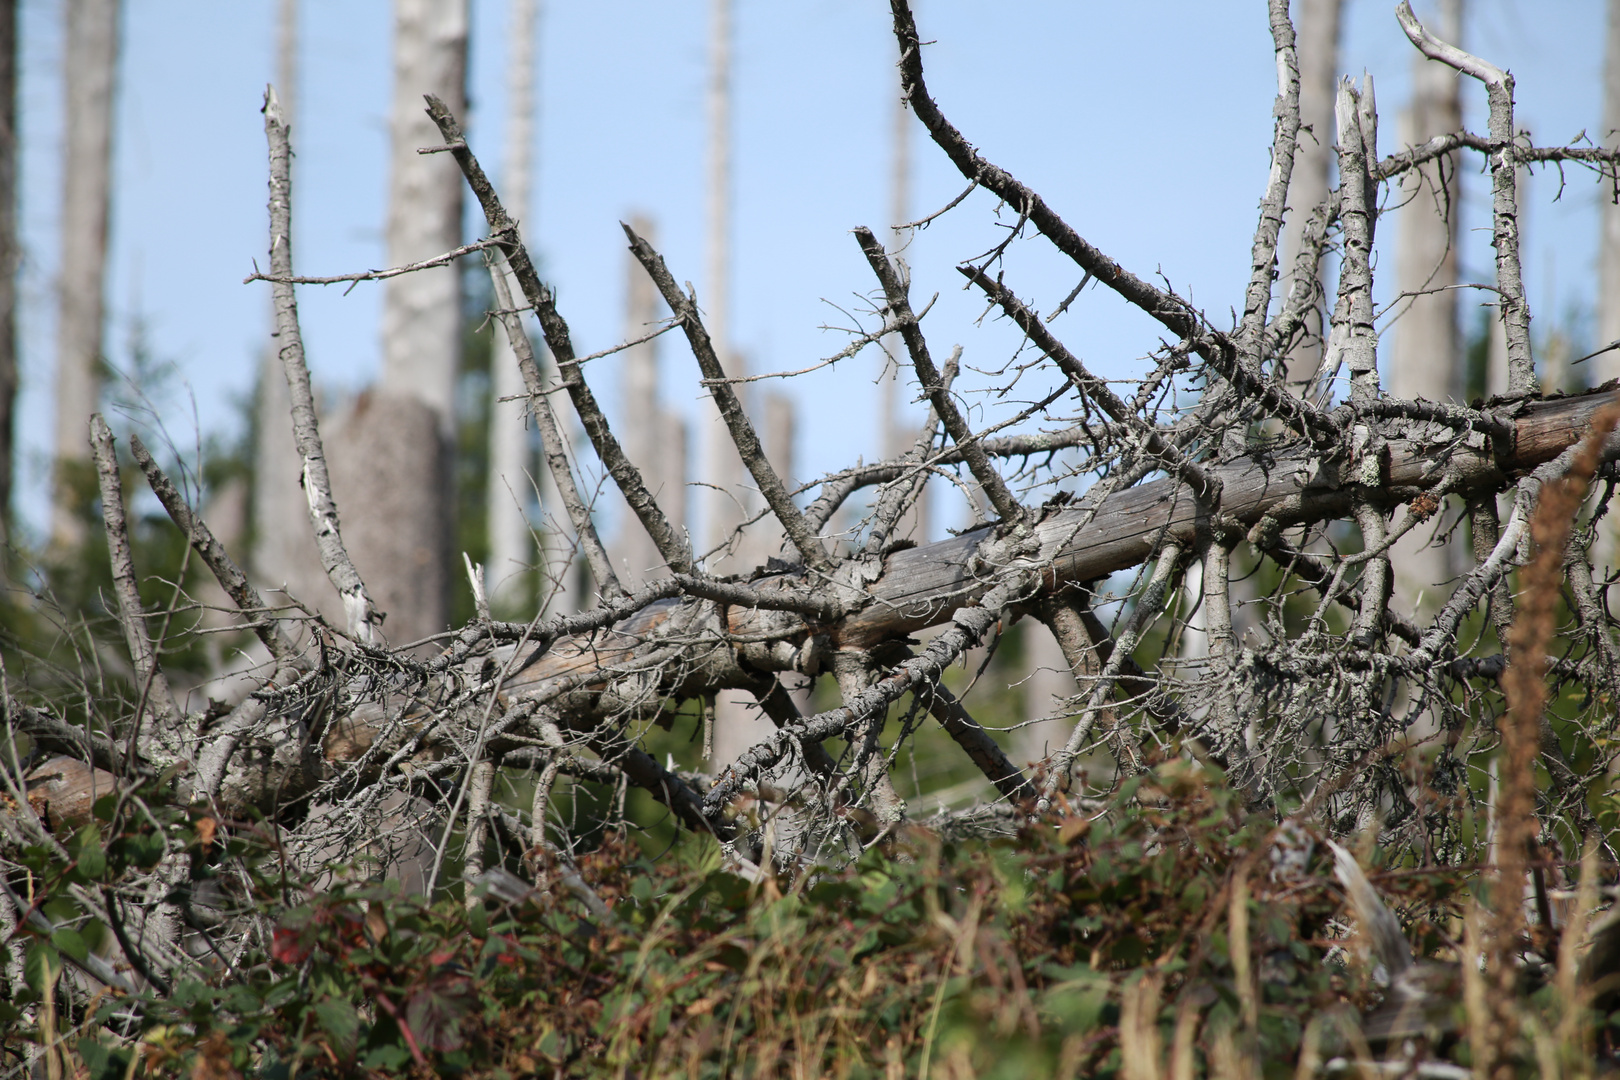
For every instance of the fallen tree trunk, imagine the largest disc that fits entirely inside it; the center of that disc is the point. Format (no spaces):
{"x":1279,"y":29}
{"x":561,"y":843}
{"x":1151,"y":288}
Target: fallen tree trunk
{"x":925,"y":586}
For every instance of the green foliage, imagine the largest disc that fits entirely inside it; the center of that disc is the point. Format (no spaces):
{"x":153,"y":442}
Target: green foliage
{"x":1072,"y":949}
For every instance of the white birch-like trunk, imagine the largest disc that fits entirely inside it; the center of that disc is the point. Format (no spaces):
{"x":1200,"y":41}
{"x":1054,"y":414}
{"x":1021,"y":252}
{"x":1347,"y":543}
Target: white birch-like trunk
{"x":422,"y":311}
{"x":511,"y":454}
{"x":1606,"y":366}
{"x":1426,"y":356}
{"x":90,"y":63}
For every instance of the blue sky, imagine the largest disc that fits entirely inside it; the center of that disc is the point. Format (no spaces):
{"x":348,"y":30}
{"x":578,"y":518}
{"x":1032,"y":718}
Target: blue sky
{"x":1146,"y":126}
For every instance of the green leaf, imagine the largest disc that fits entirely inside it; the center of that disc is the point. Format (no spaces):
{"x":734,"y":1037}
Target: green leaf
{"x":93,"y":861}
{"x":386,"y":1058}
{"x":70,"y":941}
{"x":146,"y":850}
{"x":337,"y":1018}
{"x":102,"y":1061}
{"x":41,"y":967}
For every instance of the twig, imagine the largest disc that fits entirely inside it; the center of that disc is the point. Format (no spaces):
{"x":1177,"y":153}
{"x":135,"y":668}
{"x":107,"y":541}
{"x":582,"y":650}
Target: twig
{"x":977,"y":743}
{"x":1148,"y":608}
{"x":1206,"y":486}
{"x":1175,"y":314}
{"x":552,"y":443}
{"x":375,"y":275}
{"x":1284,"y":139}
{"x":968,"y":628}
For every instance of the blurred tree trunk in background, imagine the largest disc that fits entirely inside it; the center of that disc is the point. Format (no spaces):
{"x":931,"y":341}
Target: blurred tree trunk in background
{"x":9,"y":252}
{"x":737,"y":721}
{"x":729,"y":503}
{"x":1048,"y":682}
{"x":1606,"y":365}
{"x":284,"y":554}
{"x":512,"y":462}
{"x":897,"y":433}
{"x":89,"y":65}
{"x":1426,"y":358}
{"x":401,"y":515}
{"x":653,"y":438}
{"x":1319,"y":24}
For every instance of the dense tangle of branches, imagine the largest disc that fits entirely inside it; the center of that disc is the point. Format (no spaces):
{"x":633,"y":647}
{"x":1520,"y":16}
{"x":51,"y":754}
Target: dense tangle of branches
{"x":1220,"y":585}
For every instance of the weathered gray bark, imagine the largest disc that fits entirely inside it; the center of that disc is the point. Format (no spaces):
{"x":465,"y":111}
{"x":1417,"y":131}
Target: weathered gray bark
{"x":9,"y":258}
{"x":1299,"y":707}
{"x":1514,"y":307}
{"x":561,"y":592}
{"x":89,"y":65}
{"x":1425,"y":359}
{"x":512,"y":460}
{"x":421,"y":332}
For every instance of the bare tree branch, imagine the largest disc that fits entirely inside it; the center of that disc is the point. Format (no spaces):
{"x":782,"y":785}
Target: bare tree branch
{"x":731,"y":410}
{"x":1515,"y":312}
{"x":895,"y":294}
{"x":362,"y":615}
{"x":151,"y":683}
{"x":214,"y":556}
{"x":674,"y":547}
{"x":552,"y":443}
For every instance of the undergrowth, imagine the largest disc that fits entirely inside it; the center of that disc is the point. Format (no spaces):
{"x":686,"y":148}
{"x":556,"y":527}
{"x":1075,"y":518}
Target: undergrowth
{"x":1175,"y":934}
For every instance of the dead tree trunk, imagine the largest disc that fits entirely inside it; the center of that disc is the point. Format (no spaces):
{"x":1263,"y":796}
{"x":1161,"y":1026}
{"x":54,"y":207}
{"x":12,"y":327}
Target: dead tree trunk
{"x":728,"y":503}
{"x":1606,"y":365}
{"x":284,"y":554}
{"x":90,"y":60}
{"x":1319,"y":24}
{"x":401,"y":537}
{"x":511,"y":455}
{"x":1426,"y":359}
